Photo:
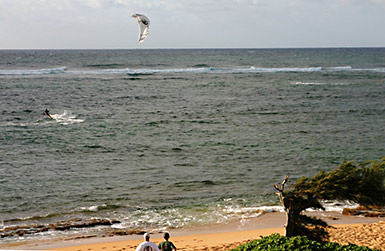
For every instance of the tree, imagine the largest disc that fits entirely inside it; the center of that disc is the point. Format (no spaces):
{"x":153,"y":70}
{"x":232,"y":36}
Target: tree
{"x":363,"y":184}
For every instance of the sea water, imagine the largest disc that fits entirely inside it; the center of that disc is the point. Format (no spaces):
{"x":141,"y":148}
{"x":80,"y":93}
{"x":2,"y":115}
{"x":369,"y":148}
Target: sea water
{"x":178,"y":138}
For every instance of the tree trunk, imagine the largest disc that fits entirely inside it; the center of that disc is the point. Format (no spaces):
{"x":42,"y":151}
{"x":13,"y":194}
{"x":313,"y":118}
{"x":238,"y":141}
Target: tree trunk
{"x":290,"y":226}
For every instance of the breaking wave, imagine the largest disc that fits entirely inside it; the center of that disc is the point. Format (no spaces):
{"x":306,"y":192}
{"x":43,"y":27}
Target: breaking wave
{"x":34,"y":71}
{"x":194,"y":70}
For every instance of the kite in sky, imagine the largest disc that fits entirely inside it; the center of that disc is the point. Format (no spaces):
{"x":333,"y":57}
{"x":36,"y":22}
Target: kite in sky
{"x":144,"y":26}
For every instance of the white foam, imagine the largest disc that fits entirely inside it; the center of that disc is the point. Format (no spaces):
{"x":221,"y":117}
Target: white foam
{"x":308,"y":83}
{"x":340,"y":68}
{"x":318,"y":83}
{"x":143,"y":71}
{"x":34,"y":71}
{"x":373,"y":69}
{"x":66,"y":118}
{"x":338,"y":206}
{"x":285,"y":69}
{"x":251,"y":69}
{"x":94,"y":208}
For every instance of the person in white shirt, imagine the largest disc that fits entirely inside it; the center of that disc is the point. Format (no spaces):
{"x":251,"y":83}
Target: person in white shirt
{"x":147,"y":245}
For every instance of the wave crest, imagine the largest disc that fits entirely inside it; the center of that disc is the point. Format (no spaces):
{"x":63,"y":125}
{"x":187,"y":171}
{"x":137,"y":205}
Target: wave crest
{"x":196,"y":69}
{"x":34,"y":71}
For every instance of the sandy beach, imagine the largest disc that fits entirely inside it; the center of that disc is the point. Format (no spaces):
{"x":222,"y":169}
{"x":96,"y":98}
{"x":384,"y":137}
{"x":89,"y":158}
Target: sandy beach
{"x":371,"y":235}
{"x":346,"y":229}
{"x":215,"y":241}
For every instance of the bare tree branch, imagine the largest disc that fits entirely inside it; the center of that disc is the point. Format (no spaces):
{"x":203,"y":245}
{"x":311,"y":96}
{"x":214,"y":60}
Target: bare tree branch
{"x":282,"y":187}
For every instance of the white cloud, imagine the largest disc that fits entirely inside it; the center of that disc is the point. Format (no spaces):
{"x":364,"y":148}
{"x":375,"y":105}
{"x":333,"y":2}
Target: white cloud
{"x":94,"y":3}
{"x":379,"y":2}
{"x":190,"y":23}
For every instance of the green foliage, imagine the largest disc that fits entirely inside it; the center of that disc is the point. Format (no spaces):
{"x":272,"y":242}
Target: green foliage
{"x":363,"y":183}
{"x":275,"y":242}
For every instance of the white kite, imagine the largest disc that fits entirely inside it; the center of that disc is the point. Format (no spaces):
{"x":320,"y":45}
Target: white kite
{"x":144,"y":26}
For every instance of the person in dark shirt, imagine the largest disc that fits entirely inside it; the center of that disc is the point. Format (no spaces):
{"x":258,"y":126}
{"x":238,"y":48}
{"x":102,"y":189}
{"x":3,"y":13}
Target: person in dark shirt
{"x":166,"y":245}
{"x":47,"y":114}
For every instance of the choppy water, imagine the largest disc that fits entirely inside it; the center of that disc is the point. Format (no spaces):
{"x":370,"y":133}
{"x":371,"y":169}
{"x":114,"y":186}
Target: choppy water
{"x":174,"y":138}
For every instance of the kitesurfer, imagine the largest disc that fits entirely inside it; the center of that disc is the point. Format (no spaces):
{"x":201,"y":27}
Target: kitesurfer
{"x":47,"y":114}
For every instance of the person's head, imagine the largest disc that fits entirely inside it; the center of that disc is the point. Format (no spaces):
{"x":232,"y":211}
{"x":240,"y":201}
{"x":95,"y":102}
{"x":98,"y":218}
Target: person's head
{"x":146,"y":236}
{"x":166,"y":236}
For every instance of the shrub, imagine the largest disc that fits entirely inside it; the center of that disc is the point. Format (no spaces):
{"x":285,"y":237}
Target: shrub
{"x":275,"y":242}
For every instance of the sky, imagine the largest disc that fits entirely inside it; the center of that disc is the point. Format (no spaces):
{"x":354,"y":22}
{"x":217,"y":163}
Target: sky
{"x":107,"y":24}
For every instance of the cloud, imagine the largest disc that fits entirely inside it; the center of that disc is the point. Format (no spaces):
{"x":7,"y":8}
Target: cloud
{"x":189,"y":23}
{"x":94,"y":3}
{"x":379,"y":2}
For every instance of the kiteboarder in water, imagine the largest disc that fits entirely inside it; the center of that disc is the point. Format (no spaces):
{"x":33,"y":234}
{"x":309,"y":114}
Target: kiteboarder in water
{"x":47,"y":114}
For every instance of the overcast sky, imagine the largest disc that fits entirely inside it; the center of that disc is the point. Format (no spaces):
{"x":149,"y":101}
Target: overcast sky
{"x":107,"y":24}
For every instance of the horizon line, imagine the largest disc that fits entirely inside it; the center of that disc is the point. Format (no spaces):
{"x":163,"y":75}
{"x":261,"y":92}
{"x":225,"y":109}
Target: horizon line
{"x":203,"y":48}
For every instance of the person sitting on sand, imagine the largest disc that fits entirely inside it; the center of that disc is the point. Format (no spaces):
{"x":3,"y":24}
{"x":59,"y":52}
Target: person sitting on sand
{"x":166,"y":245}
{"x":147,"y":245}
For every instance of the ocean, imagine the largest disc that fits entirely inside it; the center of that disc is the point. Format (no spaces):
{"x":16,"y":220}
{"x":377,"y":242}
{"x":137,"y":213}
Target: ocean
{"x":176,"y":138}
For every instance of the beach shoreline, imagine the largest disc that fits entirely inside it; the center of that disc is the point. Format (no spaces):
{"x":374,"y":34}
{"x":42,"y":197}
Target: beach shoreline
{"x":207,"y":237}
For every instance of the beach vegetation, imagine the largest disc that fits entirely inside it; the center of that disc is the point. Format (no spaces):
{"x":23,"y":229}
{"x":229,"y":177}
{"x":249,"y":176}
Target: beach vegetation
{"x":362,"y":183}
{"x":275,"y":242}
